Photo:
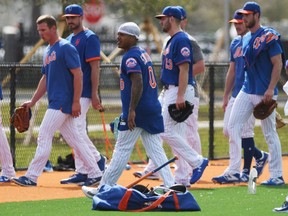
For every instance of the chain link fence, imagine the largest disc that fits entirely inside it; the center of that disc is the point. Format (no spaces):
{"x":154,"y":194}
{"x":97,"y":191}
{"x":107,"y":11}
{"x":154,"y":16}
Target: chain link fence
{"x":19,"y":82}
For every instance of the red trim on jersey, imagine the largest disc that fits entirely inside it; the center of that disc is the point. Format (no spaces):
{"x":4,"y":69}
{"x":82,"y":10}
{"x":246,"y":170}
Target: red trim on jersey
{"x":93,"y":59}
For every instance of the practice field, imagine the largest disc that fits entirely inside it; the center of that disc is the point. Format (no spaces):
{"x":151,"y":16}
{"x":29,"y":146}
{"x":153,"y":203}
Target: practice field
{"x":52,"y":198}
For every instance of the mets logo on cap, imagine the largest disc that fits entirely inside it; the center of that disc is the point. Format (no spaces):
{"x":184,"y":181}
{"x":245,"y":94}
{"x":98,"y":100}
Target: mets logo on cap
{"x":185,"y":51}
{"x":131,"y":62}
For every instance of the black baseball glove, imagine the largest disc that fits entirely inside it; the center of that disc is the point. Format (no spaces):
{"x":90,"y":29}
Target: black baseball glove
{"x":181,"y":114}
{"x":263,"y":110}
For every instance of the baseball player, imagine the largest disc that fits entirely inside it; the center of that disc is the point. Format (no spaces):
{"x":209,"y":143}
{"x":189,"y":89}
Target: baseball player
{"x":62,"y":79}
{"x":177,"y":78}
{"x":234,"y":82}
{"x":88,"y":47}
{"x":139,"y":94}
{"x":183,"y":171}
{"x":263,"y":63}
{"x":7,"y":171}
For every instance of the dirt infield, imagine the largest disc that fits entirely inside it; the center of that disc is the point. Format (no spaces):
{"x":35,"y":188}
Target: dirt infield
{"x":50,"y":188}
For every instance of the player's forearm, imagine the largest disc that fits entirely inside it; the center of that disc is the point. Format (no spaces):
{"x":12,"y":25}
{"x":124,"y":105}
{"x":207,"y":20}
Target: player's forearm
{"x":95,"y":77}
{"x":198,"y":67}
{"x":229,"y":82}
{"x":276,"y":71}
{"x":40,"y":91}
{"x":136,"y":90}
{"x":78,"y":86}
{"x":183,"y":79}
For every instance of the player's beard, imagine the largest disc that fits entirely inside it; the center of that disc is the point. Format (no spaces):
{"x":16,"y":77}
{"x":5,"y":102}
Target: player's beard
{"x":250,"y":24}
{"x":166,"y":26}
{"x":74,"y":26}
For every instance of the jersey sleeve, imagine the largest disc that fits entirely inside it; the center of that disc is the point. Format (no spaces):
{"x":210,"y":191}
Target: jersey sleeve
{"x":183,"y":51}
{"x":71,"y":55}
{"x":272,"y":39}
{"x":232,"y":49}
{"x":197,"y":52}
{"x":92,"y":51}
{"x":131,"y":65}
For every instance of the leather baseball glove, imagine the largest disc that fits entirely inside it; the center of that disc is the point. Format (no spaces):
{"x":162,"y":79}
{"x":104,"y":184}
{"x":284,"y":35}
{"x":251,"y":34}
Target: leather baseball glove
{"x":181,"y":114}
{"x":279,"y":121}
{"x":21,"y":118}
{"x":263,"y":110}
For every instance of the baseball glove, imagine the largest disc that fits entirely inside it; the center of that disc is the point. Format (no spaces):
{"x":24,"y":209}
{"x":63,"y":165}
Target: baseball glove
{"x":20,"y":119}
{"x":279,"y":121}
{"x":263,"y":110}
{"x":181,"y":114}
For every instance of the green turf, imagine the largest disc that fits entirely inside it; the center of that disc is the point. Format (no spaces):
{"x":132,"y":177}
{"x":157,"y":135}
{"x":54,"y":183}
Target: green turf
{"x":234,"y":201}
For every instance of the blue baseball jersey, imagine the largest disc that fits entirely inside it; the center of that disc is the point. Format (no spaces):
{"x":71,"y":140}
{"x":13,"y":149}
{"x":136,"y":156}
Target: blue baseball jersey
{"x":58,"y":59}
{"x":148,"y":110}
{"x":236,"y":56}
{"x":1,"y":95}
{"x":257,"y":51}
{"x":87,"y":44}
{"x":177,"y":51}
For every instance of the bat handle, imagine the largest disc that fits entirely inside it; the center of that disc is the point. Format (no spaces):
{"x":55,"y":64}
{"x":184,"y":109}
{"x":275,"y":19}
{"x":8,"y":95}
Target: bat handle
{"x":150,"y":173}
{"x":168,"y":162}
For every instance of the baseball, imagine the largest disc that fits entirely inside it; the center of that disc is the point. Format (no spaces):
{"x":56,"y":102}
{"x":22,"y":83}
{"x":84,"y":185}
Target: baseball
{"x":127,"y":167}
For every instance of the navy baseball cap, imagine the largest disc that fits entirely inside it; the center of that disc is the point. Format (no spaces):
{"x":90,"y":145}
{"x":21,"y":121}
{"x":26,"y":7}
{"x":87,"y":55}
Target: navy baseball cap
{"x":249,"y":8}
{"x":171,"y":11}
{"x":237,"y":17}
{"x":73,"y":10}
{"x":184,"y":16}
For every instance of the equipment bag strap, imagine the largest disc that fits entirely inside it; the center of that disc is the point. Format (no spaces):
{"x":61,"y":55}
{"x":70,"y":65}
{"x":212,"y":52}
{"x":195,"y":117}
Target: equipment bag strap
{"x":124,"y":201}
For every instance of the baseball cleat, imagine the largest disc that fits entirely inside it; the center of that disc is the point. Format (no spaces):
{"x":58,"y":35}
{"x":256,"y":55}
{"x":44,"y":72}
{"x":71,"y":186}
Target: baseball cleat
{"x":227,"y":179}
{"x":24,"y":181}
{"x":48,"y":167}
{"x":89,"y":191}
{"x":139,"y":174}
{"x":92,"y":181}
{"x":283,"y":208}
{"x":102,"y":163}
{"x":260,"y":163}
{"x":198,"y":172}
{"x":244,"y":177}
{"x":77,"y":178}
{"x":4,"y":179}
{"x":274,"y":182}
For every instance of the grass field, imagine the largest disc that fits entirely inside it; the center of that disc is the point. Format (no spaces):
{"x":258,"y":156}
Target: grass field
{"x":234,"y":201}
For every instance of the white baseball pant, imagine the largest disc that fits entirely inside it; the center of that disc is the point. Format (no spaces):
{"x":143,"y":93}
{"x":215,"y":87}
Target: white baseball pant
{"x":56,"y":120}
{"x":175,"y":133}
{"x":122,"y":151}
{"x":5,"y":154}
{"x":248,"y":128}
{"x":81,"y":125}
{"x":241,"y":112}
{"x":183,"y":170}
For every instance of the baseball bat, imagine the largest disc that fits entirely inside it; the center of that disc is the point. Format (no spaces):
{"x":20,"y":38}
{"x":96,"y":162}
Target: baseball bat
{"x":153,"y":171}
{"x":107,"y":142}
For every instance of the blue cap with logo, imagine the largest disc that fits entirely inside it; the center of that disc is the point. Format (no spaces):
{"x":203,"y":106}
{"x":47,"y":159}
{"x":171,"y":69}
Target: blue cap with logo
{"x":250,"y":8}
{"x":238,"y":17}
{"x":171,"y":11}
{"x":184,"y":16}
{"x":73,"y":10}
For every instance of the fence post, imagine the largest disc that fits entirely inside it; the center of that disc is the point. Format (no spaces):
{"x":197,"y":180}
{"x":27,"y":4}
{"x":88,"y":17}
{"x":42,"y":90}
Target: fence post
{"x":211,"y":111}
{"x":12,"y":71}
